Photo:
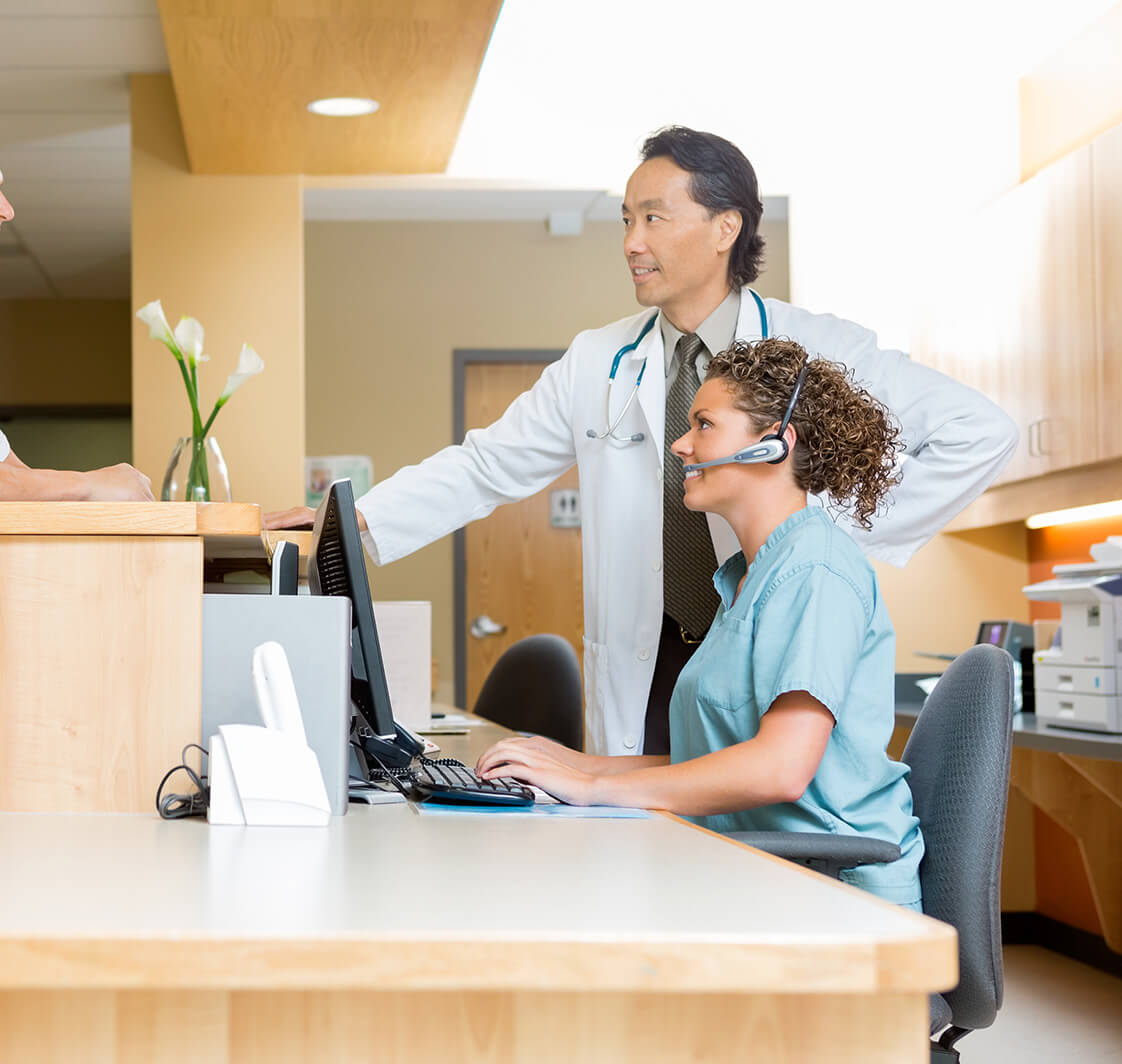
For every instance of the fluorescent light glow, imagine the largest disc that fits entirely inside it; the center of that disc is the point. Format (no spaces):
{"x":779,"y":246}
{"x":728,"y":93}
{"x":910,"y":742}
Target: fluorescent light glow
{"x":343,"y":106}
{"x":1076,"y":513}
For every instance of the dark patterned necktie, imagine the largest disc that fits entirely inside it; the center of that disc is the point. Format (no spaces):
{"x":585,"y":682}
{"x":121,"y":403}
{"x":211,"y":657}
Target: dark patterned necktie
{"x":688,"y":561}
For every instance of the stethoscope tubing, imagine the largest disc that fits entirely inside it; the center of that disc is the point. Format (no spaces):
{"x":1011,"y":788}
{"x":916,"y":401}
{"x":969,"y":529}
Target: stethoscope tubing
{"x":613,"y":424}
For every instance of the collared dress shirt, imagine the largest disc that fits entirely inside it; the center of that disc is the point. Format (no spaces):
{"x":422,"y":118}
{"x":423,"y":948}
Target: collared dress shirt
{"x":716,"y":332}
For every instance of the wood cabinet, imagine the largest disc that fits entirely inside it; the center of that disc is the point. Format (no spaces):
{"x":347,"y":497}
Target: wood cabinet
{"x":1106,"y":156}
{"x":1013,"y":315}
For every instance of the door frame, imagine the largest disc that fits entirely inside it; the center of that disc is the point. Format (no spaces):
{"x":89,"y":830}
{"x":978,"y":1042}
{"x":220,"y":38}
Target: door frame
{"x":462,"y":357}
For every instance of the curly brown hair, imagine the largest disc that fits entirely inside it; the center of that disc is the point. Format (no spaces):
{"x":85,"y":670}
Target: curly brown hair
{"x":847,"y":439}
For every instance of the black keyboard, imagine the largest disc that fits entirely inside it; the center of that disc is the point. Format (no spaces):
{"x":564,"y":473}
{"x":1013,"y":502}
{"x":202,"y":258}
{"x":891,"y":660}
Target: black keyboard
{"x":444,"y":779}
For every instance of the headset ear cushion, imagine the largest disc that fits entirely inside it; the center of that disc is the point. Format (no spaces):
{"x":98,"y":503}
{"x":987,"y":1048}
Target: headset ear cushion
{"x":782,"y":443}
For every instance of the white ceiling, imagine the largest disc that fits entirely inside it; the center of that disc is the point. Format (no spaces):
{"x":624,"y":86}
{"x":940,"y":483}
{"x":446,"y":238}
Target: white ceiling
{"x":64,"y":142}
{"x":894,"y":108}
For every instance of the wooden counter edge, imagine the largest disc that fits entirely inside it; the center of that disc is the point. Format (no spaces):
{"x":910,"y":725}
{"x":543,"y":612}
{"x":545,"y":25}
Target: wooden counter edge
{"x":129,"y":519}
{"x":918,"y":965}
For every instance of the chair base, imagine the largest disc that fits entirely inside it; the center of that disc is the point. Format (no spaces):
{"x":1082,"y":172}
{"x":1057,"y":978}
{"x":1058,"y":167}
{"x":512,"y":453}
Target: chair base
{"x":943,"y":1054}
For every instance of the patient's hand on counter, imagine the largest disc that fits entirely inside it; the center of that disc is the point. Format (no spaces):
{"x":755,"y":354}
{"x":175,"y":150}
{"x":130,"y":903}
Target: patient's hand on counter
{"x":118,"y":483}
{"x":301,"y":517}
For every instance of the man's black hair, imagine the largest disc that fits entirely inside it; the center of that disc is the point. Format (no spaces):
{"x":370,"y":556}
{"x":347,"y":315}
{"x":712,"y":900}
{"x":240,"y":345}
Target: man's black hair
{"x":721,"y":179}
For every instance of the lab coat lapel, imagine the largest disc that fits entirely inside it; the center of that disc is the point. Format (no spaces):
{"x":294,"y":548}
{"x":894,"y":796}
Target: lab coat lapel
{"x":652,"y":388}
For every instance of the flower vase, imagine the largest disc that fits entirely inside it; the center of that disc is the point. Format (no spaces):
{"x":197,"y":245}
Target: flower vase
{"x":196,"y":472}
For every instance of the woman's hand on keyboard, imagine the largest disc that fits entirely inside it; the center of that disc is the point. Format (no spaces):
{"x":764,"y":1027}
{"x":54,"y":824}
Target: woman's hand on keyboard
{"x":564,"y":755}
{"x":545,"y":764}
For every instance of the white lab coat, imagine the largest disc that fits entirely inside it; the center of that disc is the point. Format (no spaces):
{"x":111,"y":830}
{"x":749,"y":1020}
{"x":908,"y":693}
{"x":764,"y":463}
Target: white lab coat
{"x":956,"y":442}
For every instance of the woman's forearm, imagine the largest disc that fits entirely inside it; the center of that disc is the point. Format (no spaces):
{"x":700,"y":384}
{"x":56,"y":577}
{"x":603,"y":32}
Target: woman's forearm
{"x":614,"y":766}
{"x":738,"y":777}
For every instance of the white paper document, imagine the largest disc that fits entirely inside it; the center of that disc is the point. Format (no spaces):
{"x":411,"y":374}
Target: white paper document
{"x":539,"y":809}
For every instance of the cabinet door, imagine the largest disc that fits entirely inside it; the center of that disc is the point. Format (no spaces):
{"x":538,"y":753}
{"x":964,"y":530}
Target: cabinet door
{"x":1012,"y":315}
{"x":1106,"y":154}
{"x":1050,"y":361}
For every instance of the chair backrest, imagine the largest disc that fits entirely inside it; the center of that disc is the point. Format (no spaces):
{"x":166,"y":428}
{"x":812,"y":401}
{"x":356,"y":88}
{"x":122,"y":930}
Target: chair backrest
{"x":959,"y":755}
{"x":535,"y":686}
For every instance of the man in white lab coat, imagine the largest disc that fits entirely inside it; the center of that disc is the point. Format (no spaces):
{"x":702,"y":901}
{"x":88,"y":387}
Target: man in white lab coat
{"x":616,"y":401}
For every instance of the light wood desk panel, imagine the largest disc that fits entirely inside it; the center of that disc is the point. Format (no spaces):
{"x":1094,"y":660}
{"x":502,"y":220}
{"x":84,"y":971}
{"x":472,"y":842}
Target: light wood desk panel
{"x":101,"y":646}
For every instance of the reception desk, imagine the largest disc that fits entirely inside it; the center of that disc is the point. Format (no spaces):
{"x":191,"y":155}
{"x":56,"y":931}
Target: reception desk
{"x":101,"y":645}
{"x":396,"y":935}
{"x":391,"y":934}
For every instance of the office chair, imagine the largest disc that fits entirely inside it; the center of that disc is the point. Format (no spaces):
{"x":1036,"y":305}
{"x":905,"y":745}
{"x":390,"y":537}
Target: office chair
{"x":959,"y":754}
{"x":535,"y":686}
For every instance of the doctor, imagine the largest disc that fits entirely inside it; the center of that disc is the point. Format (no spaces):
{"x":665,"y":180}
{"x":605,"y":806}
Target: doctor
{"x":690,"y":215}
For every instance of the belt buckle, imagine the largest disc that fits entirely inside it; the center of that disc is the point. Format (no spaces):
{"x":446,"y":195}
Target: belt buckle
{"x":687,"y":638}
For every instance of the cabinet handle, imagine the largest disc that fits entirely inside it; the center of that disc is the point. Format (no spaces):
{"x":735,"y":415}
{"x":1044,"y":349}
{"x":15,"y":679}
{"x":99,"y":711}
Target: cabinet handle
{"x":1041,"y":439}
{"x":1032,"y":439}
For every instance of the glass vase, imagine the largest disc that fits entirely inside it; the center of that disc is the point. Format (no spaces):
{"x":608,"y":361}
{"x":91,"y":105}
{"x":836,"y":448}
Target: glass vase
{"x":196,"y":472}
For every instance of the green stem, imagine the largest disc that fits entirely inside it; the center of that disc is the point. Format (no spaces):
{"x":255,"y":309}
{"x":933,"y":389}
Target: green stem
{"x":198,"y":475}
{"x":213,"y":414}
{"x":196,"y":421}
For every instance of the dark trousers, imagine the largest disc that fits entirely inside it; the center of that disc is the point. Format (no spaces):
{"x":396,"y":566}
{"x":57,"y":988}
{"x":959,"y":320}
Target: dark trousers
{"x":673,"y":654}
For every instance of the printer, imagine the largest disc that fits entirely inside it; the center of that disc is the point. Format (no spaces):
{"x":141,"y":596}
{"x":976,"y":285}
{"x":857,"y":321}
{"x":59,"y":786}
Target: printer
{"x":1076,"y":679}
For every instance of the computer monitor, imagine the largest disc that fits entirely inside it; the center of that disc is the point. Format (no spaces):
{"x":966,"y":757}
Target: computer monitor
{"x":336,"y":567}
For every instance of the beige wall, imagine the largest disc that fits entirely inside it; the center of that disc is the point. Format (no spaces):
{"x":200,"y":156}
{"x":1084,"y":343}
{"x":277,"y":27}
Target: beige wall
{"x":387,"y":303}
{"x":1074,"y":95}
{"x":64,"y":352}
{"x":957,"y":580}
{"x":230,"y":252}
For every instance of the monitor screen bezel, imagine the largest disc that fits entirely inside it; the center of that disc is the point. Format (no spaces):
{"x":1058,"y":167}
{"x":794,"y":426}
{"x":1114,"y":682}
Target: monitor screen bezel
{"x":369,"y":689}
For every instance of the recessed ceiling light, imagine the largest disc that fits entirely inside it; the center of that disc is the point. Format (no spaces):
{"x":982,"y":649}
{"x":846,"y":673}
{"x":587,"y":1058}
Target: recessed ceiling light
{"x":343,"y":106}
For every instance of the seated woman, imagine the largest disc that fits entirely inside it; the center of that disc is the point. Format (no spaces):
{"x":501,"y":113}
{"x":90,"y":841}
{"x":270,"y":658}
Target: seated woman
{"x":780,"y":720}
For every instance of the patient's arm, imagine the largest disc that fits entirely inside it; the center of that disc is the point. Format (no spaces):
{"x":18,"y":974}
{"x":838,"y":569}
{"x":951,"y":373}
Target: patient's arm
{"x":119,"y":483}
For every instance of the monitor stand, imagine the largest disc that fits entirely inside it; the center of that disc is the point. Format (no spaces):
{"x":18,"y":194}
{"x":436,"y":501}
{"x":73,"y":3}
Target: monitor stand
{"x":393,"y":753}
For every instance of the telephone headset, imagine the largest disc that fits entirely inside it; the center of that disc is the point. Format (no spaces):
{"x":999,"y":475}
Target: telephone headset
{"x":771,"y":449}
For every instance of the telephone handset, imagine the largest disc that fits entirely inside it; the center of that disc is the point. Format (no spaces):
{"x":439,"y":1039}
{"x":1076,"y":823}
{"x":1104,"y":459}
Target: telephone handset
{"x":275,"y":691}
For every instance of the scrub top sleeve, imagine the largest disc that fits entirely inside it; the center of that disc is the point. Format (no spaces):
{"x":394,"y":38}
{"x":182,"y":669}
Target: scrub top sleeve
{"x":809,"y":632}
{"x":4,"y":448}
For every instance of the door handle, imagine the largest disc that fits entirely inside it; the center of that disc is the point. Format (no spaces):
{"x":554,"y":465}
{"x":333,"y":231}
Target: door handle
{"x":483,"y":626}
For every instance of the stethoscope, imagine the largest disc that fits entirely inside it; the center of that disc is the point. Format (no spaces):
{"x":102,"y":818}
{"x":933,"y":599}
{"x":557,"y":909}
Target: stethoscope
{"x":638,"y":437}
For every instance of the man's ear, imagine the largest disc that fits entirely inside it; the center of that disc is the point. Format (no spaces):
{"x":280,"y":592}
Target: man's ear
{"x":729,"y":224}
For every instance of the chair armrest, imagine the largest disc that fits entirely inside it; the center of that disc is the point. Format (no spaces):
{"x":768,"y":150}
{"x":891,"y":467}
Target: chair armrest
{"x":824,"y":853}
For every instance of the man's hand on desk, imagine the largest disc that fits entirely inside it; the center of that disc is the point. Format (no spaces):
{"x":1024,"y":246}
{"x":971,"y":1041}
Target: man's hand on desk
{"x":301,"y":517}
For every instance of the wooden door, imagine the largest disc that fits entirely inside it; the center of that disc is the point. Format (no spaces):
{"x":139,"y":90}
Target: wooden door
{"x":520,"y":572}
{"x":1106,"y":152}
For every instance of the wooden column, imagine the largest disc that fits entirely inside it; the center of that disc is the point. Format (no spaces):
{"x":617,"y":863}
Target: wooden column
{"x":228,"y":251}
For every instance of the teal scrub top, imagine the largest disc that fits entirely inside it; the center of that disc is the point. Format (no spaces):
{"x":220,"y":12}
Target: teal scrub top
{"x":808,"y":618}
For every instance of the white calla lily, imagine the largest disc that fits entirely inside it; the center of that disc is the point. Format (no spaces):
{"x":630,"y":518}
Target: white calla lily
{"x":250,"y":364}
{"x":152,"y":314}
{"x":186,"y":343}
{"x":189,"y":337}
